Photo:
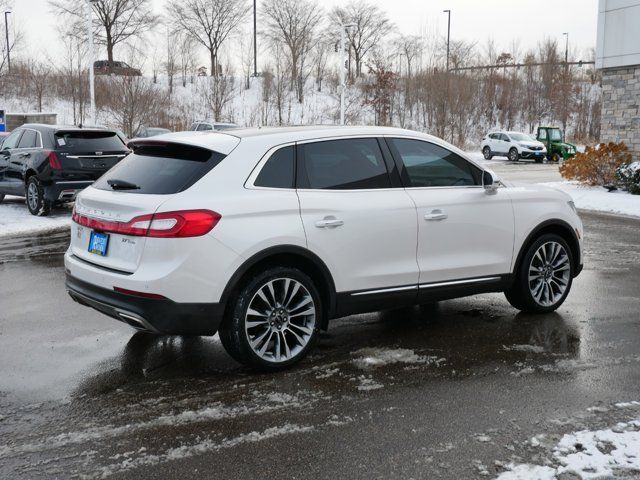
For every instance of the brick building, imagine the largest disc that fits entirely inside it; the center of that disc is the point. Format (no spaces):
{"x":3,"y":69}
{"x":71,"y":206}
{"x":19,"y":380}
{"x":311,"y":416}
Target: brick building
{"x":618,"y":58}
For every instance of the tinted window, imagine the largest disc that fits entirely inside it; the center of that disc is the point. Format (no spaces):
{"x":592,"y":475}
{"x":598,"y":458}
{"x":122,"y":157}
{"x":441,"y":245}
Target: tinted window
{"x":28,"y":140}
{"x":89,"y":141}
{"x":504,"y":138}
{"x":12,"y":140}
{"x":344,"y":165}
{"x":278,"y":171}
{"x":494,"y":136}
{"x":204,"y":126}
{"x":429,"y":165}
{"x":162,"y":169}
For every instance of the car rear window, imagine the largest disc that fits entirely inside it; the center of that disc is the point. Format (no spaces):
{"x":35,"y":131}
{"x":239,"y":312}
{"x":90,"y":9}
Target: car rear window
{"x":161,"y":169}
{"x":87,"y":141}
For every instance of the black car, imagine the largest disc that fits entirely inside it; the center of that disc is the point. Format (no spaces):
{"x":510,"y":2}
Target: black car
{"x":50,"y":164}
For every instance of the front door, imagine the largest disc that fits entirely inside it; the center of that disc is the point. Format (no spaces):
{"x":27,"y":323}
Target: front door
{"x":464,"y":233}
{"x":361,"y":224}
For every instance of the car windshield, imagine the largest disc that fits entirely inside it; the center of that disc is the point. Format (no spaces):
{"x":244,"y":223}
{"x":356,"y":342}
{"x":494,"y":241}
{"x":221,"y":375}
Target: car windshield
{"x":555,"y":135}
{"x":89,"y":141}
{"x":519,"y":137}
{"x":152,"y":132}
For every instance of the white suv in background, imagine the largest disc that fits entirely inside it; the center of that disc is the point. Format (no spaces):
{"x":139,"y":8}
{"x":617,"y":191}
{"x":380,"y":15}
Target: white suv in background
{"x":264,"y":235}
{"x":513,"y":145}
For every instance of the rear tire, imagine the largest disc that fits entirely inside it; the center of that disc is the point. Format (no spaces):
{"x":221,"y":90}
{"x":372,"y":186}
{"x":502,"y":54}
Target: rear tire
{"x":514,"y":156}
{"x":273,"y":319}
{"x":486,"y":152}
{"x":36,"y":202}
{"x":544,"y":276}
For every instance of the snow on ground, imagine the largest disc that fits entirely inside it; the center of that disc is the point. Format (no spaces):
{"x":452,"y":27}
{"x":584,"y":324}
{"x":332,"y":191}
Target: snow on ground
{"x":367,"y":358}
{"x":588,"y":454}
{"x":599,"y":199}
{"x":16,"y":219}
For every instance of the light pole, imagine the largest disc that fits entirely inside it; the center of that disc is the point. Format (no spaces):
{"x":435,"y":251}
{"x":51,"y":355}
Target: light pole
{"x":92,"y":89}
{"x":6,"y":31}
{"x":448,"y":12}
{"x":255,"y":41}
{"x":343,"y":66}
{"x":566,"y":47}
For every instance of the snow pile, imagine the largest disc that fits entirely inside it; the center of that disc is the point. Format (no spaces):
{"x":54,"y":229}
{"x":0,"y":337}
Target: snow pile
{"x":524,"y":348}
{"x":599,"y":199}
{"x":366,"y":384}
{"x":368,"y":358}
{"x":588,"y":454}
{"x":15,"y":218}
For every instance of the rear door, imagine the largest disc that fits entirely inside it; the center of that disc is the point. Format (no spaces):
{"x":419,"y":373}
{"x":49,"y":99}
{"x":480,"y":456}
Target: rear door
{"x":158,"y":172}
{"x":355,"y":218}
{"x":87,"y":154}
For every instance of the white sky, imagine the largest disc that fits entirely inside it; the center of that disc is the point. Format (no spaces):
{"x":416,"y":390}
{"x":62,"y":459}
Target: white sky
{"x":525,"y":21}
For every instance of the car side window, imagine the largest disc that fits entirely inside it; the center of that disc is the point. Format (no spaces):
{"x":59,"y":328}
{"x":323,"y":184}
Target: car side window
{"x":494,"y":136}
{"x":29,"y":139}
{"x":12,"y":140}
{"x":349,"y":164}
{"x":278,"y":171}
{"x":430,"y":165}
{"x":204,"y":126}
{"x":504,"y":137}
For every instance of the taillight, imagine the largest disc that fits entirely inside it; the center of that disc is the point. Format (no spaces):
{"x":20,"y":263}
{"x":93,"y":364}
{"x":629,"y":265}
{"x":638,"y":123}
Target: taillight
{"x":180,"y":224}
{"x":54,"y":161}
{"x":135,"y":293}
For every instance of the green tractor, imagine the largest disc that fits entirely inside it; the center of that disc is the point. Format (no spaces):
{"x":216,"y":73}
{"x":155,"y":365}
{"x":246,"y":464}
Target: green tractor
{"x":553,"y":140}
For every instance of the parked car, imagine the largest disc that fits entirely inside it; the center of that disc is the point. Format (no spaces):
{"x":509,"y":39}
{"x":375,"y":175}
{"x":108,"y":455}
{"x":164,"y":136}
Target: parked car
{"x":201,"y":126}
{"x":50,"y":164}
{"x":105,"y":67}
{"x":513,"y":145}
{"x":146,"y":132}
{"x":3,"y":135}
{"x":264,"y":235}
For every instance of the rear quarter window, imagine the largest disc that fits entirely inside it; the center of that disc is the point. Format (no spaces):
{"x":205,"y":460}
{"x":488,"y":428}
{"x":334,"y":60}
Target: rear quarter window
{"x":162,"y":169}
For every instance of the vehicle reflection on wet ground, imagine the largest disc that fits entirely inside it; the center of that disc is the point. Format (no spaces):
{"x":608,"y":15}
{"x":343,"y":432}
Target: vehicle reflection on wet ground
{"x":443,"y":390}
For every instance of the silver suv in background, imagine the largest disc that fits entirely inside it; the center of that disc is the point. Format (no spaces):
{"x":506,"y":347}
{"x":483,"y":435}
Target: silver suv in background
{"x":203,"y":126}
{"x":513,"y":145}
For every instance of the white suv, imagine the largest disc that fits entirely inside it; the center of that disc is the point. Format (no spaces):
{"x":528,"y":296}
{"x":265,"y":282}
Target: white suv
{"x":513,"y":145}
{"x":264,"y":235}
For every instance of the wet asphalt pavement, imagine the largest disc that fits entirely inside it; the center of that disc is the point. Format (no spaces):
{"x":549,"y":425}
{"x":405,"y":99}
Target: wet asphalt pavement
{"x":455,"y":390}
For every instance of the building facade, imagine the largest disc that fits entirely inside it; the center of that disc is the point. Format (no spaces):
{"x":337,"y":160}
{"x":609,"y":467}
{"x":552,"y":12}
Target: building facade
{"x":618,"y":58}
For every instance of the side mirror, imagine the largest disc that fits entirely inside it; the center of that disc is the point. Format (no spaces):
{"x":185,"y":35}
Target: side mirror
{"x":489,"y":182}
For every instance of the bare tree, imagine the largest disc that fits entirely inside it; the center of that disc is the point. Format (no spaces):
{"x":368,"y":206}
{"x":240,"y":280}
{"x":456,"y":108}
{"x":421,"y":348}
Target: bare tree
{"x":114,"y":21}
{"x":171,"y":63}
{"x":209,"y":22}
{"x":294,"y":23}
{"x":219,"y":93}
{"x":131,"y":102}
{"x":371,"y":26}
{"x":39,"y":75}
{"x":186,"y":57}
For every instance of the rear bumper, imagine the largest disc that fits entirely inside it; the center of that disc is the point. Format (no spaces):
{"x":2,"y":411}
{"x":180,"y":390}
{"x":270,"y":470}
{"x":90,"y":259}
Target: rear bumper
{"x":161,"y":316}
{"x":65,"y":191}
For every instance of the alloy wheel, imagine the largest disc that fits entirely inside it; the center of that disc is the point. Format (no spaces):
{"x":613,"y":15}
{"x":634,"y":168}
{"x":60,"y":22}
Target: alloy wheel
{"x":549,"y":273}
{"x":280,"y":320}
{"x":33,"y":196}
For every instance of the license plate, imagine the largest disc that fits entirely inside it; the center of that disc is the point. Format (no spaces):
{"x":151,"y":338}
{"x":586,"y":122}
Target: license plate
{"x":98,"y":243}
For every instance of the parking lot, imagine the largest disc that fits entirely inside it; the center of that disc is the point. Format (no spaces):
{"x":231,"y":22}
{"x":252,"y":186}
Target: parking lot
{"x":453,"y":390}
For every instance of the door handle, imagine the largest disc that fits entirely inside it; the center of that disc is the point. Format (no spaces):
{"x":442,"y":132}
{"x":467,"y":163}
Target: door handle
{"x":329,"y":223}
{"x":436,"y":215}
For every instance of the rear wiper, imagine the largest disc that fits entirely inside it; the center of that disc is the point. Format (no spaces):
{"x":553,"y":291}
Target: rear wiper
{"x":122,"y":184}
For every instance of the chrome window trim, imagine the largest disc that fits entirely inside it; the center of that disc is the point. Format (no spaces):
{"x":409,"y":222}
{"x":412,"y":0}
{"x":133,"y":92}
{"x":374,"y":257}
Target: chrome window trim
{"x":447,"y":283}
{"x":30,"y":148}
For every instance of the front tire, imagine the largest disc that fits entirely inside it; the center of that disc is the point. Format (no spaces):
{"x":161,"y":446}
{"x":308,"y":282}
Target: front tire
{"x":486,"y":152}
{"x":36,"y":202}
{"x":556,"y":157}
{"x":544,"y":276}
{"x":274,"y":319}
{"x":514,"y":156}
